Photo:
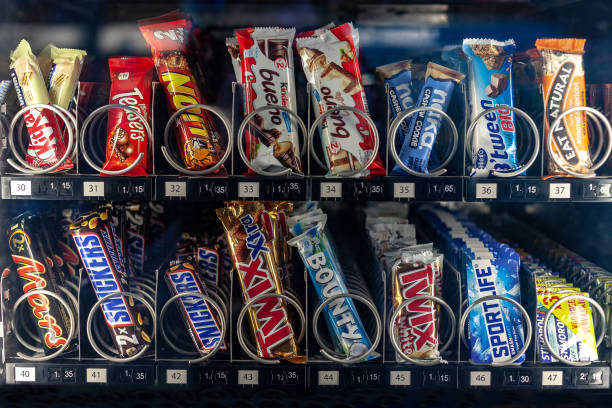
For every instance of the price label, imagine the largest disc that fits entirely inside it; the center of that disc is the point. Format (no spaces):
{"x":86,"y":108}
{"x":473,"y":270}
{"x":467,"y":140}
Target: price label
{"x":95,"y":375}
{"x":480,"y":378}
{"x":331,"y":190}
{"x":248,"y":189}
{"x":93,"y":189}
{"x":25,"y":374}
{"x":176,"y":189}
{"x":248,"y":377}
{"x":560,"y":190}
{"x":400,"y":378}
{"x":176,"y":376}
{"x":486,"y":190}
{"x":329,"y":378}
{"x":552,"y":378}
{"x":21,"y":187}
{"x":403,"y":190}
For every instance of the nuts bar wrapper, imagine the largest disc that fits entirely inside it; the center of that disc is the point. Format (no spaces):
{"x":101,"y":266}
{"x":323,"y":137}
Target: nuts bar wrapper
{"x":330,"y":65}
{"x":425,"y":125}
{"x":130,"y":86}
{"x":416,"y":326}
{"x":46,"y":145}
{"x":197,"y":314}
{"x":100,"y":252}
{"x":490,"y":85}
{"x":564,"y":88}
{"x":258,"y":274}
{"x":35,"y":267}
{"x":167,"y":36}
{"x":267,"y":75}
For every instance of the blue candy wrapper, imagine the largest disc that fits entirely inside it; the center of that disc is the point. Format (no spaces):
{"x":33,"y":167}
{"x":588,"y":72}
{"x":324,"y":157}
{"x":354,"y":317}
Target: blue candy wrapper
{"x":425,"y":125}
{"x":490,"y":85}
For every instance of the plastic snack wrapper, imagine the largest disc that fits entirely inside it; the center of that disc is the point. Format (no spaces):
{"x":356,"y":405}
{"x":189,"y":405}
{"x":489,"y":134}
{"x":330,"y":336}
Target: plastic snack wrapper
{"x":564,"y":88}
{"x":268,"y":77}
{"x":425,"y":125}
{"x":96,"y":242}
{"x":194,"y":129}
{"x":63,"y":74}
{"x":46,"y":145}
{"x":345,"y":326}
{"x":490,"y":85}
{"x":331,"y":67}
{"x":130,"y":86}
{"x":231,"y":43}
{"x":258,"y":274}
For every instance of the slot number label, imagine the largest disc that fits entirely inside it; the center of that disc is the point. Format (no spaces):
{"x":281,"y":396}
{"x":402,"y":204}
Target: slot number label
{"x":21,"y":187}
{"x":560,"y":190}
{"x":329,"y":378}
{"x":331,"y":190}
{"x":480,"y":378}
{"x":248,"y":189}
{"x":176,"y":376}
{"x":403,"y":190}
{"x":486,"y":190}
{"x":248,"y":377}
{"x":25,"y":374}
{"x":176,"y":189}
{"x":93,"y":189}
{"x":400,"y":378}
{"x":552,"y":378}
{"x":96,"y":375}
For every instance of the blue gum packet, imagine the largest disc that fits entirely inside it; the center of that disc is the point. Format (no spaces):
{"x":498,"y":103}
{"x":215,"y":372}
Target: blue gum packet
{"x":490,"y":85}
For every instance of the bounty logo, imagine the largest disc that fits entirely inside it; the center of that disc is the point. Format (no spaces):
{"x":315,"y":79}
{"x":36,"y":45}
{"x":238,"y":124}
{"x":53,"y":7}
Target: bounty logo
{"x":554,"y":106}
{"x":197,"y":310}
{"x":208,"y":264}
{"x":103,"y":279}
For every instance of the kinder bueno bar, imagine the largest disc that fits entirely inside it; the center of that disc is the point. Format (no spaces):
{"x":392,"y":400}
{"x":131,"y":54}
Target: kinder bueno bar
{"x":167,"y":36}
{"x":46,"y":143}
{"x":490,"y":85}
{"x":267,"y":75}
{"x":425,"y":125}
{"x":234,"y":51}
{"x":258,"y":274}
{"x":197,"y":314}
{"x":564,"y":88}
{"x":35,"y":269}
{"x":95,"y":241}
{"x":345,"y":326}
{"x":330,"y":65}
{"x":127,"y":138}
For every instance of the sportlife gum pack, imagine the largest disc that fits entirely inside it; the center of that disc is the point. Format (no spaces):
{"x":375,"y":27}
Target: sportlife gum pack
{"x":494,"y":141}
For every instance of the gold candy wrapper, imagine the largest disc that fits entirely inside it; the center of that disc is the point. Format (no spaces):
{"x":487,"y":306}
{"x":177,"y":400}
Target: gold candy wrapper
{"x":253,"y":255}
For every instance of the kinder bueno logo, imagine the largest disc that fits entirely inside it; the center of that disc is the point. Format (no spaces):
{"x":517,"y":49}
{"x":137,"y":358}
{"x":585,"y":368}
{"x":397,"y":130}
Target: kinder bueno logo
{"x":338,"y":126}
{"x":274,"y":327}
{"x":135,"y":100}
{"x":418,"y":331}
{"x":558,"y":92}
{"x":103,"y":279}
{"x":197,"y":310}
{"x":270,"y":82}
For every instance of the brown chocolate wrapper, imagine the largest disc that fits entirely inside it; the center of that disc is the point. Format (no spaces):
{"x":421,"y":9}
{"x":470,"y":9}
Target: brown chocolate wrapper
{"x":254,"y":261}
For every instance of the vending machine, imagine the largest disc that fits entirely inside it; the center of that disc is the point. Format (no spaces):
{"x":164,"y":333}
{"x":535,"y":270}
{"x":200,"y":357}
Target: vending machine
{"x":382,"y":197}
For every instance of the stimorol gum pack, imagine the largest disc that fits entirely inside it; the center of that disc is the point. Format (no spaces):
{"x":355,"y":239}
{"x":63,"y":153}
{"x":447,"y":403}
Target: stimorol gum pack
{"x":490,"y":85}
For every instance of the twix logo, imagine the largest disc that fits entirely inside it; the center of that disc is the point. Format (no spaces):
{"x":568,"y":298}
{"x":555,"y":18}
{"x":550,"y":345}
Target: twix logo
{"x":182,"y":92}
{"x":30,"y":271}
{"x":274,"y":327}
{"x":417,"y":329}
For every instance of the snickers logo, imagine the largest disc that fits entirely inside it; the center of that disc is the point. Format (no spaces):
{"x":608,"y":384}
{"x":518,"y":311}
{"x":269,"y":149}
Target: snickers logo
{"x":103,"y":279}
{"x":207,"y":261}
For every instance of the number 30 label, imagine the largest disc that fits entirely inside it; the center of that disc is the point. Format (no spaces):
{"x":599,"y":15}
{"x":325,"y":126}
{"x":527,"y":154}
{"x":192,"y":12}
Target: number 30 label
{"x":21,"y":187}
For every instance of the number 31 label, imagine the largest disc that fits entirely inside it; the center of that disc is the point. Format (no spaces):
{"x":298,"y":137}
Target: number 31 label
{"x":93,"y":189}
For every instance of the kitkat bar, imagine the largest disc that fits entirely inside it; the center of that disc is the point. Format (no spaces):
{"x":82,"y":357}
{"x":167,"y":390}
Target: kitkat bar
{"x":330,"y":65}
{"x":130,"y":86}
{"x":267,"y":75}
{"x":167,"y":36}
{"x":46,"y":145}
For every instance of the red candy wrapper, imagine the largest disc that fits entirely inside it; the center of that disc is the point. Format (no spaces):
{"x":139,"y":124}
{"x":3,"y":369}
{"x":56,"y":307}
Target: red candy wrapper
{"x":131,"y":86}
{"x":267,"y":76}
{"x":330,"y":64}
{"x":167,"y":36}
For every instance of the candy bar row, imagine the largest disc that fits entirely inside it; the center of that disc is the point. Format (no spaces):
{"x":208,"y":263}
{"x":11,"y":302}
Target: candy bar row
{"x":425,"y":104}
